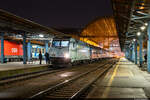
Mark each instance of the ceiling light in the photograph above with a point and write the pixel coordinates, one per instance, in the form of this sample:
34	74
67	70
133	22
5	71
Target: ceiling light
41	35
134	40
146	24
138	33
143	27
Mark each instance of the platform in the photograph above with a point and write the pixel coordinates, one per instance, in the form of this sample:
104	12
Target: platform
124	80
16	68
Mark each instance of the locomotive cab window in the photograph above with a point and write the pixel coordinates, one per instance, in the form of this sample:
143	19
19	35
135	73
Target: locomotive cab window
56	43
64	43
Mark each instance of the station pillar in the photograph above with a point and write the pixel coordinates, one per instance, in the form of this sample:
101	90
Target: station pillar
130	53
133	52
140	51
29	47
126	52
24	49
148	48
2	48
135	48
46	46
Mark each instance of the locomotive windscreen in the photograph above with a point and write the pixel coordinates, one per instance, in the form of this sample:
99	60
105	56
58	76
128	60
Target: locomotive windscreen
56	43
64	43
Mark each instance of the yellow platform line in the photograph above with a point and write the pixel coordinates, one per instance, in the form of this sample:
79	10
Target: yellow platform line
106	91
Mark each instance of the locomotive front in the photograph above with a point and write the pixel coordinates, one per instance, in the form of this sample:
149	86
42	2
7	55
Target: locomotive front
59	52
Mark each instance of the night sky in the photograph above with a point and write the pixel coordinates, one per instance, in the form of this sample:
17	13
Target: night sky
58	13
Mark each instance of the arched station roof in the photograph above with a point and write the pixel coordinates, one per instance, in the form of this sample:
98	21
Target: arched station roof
102	31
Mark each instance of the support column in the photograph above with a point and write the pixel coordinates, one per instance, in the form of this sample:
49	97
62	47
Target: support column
24	49
135	52
29	50
148	48
2	48
127	53
130	51
140	51
46	46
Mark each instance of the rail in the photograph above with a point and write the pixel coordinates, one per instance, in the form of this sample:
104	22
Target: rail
59	86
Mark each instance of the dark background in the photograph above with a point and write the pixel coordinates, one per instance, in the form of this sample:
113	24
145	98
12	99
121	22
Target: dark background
59	13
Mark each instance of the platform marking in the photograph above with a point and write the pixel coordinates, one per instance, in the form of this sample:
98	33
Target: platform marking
106	91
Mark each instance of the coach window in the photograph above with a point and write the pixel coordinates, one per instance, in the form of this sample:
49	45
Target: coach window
38	50
33	49
43	50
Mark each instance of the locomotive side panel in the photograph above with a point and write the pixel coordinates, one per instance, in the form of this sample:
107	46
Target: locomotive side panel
73	50
83	51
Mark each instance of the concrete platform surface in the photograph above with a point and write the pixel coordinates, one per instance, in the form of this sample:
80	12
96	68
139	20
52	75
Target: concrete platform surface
17	68
124	80
19	65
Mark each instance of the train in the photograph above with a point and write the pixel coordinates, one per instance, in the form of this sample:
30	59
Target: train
63	51
69	51
36	49
13	51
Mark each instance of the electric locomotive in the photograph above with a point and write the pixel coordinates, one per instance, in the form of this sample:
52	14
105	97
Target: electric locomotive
69	51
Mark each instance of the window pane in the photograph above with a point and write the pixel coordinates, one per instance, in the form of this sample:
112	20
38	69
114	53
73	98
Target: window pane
64	43
56	43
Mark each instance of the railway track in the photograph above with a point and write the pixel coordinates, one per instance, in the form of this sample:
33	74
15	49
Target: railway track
21	77
75	87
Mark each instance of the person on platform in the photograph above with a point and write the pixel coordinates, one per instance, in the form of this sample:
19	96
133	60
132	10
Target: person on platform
47	58
40	57
145	57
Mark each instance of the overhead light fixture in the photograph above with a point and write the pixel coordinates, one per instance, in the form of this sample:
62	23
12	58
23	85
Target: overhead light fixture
134	40
138	33
143	27
41	35
146	24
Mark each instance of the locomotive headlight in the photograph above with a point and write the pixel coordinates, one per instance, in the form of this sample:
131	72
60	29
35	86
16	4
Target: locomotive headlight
66	55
